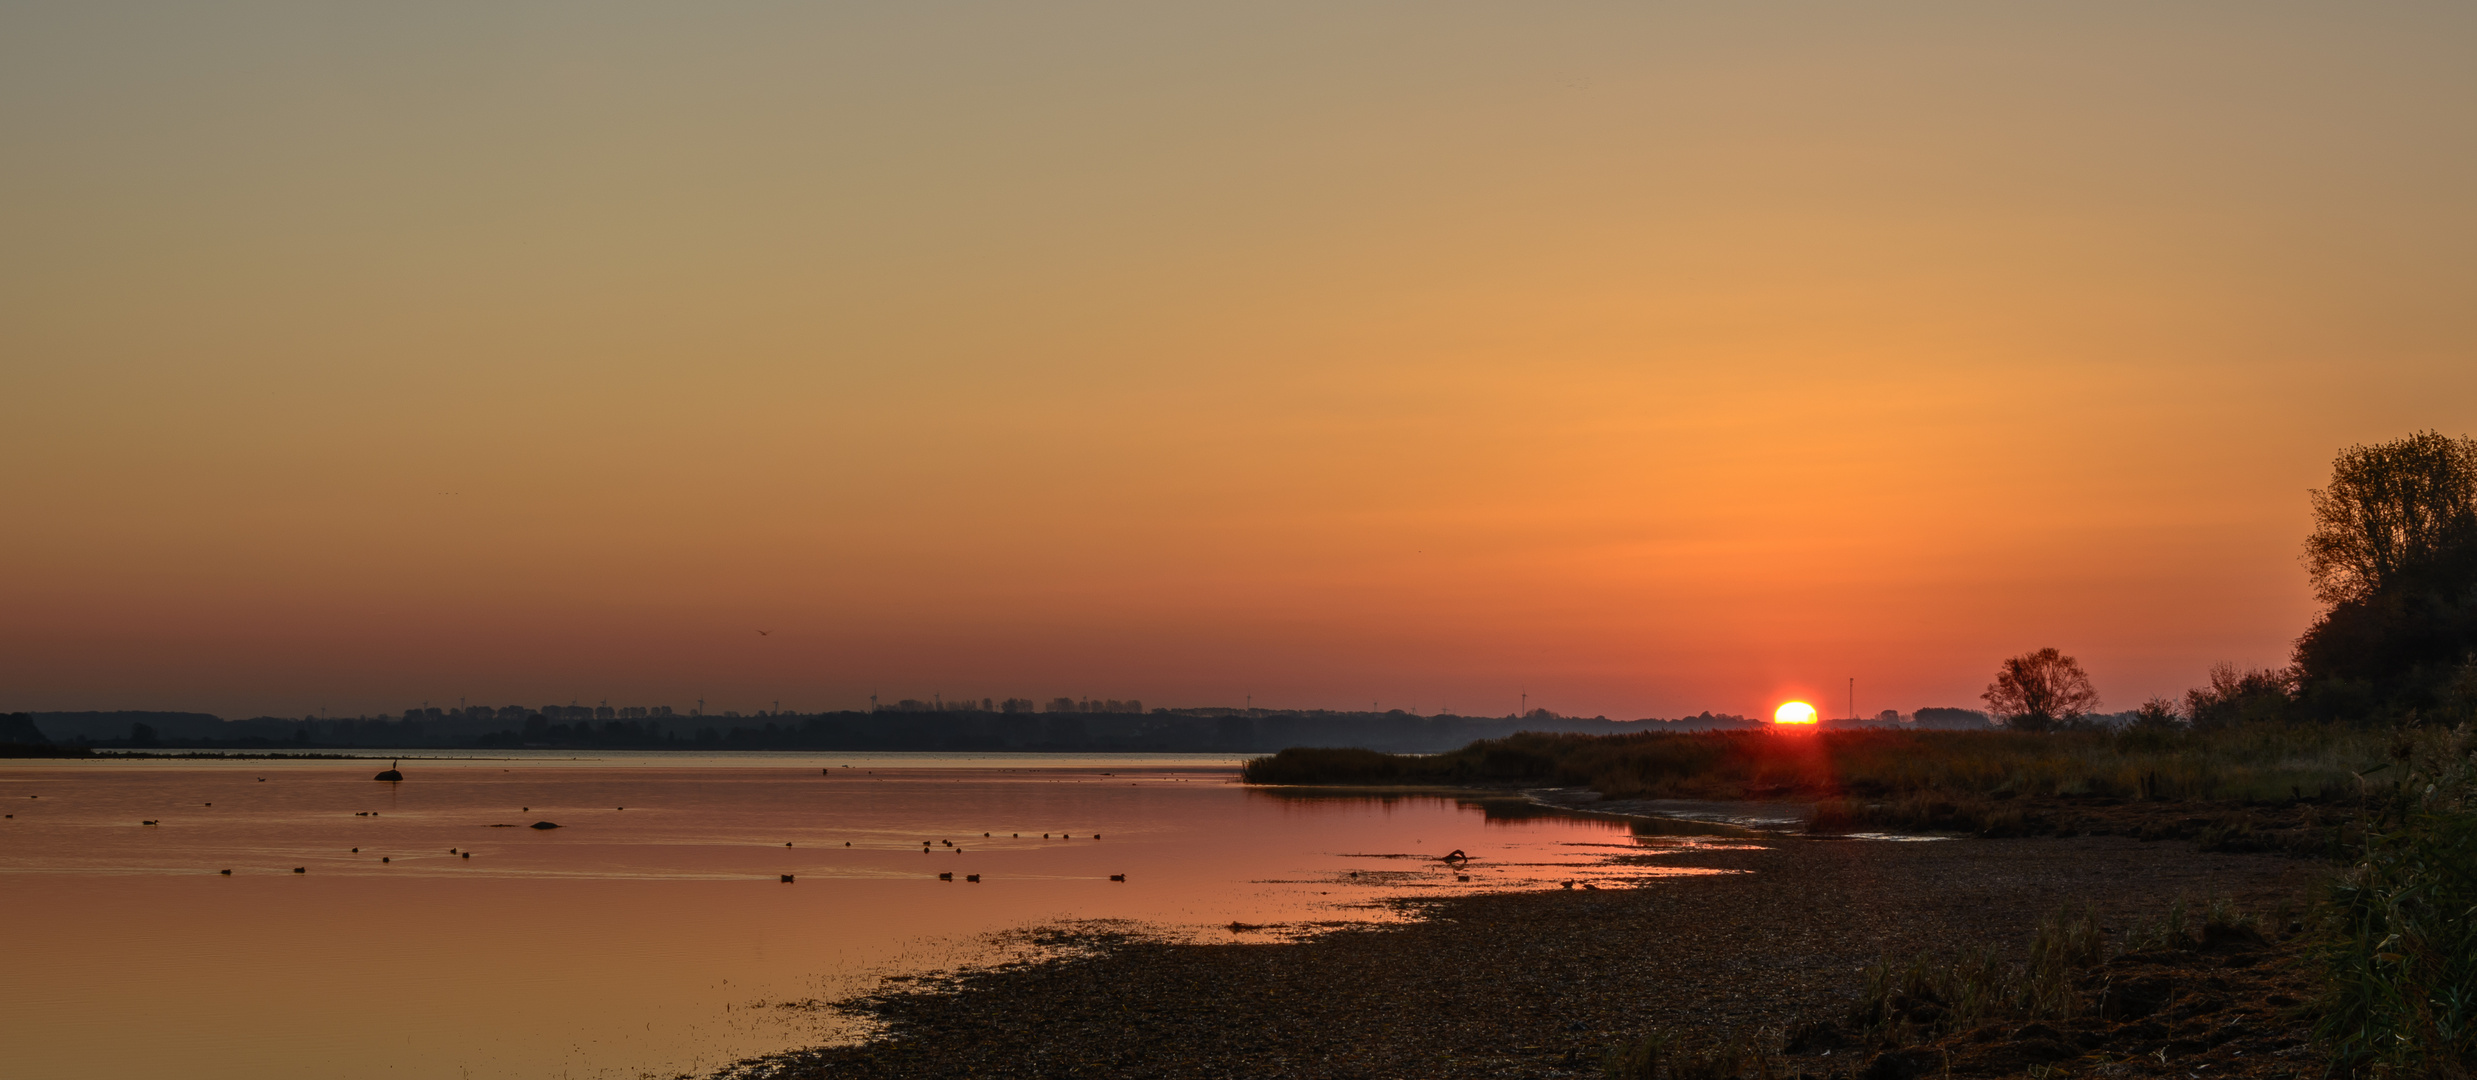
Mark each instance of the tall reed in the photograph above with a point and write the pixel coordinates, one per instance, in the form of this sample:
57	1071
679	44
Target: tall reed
2400	953
1883	769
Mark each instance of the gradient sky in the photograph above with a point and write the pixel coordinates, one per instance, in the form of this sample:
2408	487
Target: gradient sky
1643	358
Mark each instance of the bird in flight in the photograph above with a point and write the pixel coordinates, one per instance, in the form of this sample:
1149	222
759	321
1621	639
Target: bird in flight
762	633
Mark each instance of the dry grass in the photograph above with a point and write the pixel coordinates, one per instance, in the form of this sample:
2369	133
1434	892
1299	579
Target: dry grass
1910	777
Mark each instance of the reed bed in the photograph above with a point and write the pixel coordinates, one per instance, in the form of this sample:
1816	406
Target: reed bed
1910	770
2400	926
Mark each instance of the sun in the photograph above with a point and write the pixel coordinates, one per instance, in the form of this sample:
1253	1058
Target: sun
1794	712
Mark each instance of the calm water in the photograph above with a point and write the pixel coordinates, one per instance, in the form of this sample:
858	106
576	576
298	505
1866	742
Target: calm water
651	940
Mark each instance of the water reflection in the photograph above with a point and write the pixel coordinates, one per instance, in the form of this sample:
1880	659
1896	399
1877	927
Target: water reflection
1505	807
420	938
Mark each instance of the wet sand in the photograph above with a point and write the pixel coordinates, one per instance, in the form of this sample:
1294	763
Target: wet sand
1542	984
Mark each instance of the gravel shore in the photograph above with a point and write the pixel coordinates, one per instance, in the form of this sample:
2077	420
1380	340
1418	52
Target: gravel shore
1542	984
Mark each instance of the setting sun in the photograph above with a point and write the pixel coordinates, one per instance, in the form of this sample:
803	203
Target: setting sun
1795	712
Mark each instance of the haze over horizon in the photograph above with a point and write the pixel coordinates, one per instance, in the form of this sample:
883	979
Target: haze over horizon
1643	361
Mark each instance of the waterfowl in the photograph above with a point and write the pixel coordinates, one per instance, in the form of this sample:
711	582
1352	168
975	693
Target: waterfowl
1118	877
971	877
786	879
946	877
227	873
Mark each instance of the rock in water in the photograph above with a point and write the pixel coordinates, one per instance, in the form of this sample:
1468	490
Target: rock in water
544	825
391	774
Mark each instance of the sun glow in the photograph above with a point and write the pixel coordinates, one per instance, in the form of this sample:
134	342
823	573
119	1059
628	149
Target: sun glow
1794	712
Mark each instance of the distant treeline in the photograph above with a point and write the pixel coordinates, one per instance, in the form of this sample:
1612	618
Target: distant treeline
1065	725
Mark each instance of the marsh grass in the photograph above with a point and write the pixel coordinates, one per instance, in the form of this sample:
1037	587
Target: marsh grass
1922	779
1931	995
1661	1055
2400	926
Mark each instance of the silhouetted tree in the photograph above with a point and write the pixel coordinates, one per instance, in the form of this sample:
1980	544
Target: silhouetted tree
19	728
2235	697
2394	552
2394	511
2156	714
2038	691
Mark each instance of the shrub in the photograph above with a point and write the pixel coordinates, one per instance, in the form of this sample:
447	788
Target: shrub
2400	953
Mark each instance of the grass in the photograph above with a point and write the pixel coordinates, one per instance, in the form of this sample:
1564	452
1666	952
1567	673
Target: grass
2400	926
1930	996
1924	779
1662	1055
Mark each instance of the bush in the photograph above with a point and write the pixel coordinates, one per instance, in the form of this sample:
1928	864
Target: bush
2400	953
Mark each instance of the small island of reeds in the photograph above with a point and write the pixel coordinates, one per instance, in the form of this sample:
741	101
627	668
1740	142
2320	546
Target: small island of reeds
2245	788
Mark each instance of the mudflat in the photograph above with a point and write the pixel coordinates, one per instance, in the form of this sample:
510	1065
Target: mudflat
1544	984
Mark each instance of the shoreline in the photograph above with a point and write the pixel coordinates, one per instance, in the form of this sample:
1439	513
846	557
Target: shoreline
1542	984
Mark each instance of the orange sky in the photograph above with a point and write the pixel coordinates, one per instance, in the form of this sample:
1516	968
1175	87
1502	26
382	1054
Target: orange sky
1643	361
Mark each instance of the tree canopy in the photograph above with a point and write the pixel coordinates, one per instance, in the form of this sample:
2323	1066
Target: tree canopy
2393	512
2036	691
2394	554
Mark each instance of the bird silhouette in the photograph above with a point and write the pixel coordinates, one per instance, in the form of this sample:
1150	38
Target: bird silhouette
764	633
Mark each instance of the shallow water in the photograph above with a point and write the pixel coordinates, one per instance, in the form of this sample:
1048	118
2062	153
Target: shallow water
650	935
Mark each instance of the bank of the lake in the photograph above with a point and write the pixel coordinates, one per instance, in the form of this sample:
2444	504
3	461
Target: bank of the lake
1544	984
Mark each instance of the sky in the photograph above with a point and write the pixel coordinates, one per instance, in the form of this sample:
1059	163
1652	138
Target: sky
1624	359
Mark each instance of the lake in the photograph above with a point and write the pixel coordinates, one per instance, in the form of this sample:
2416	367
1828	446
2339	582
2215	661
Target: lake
652	934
